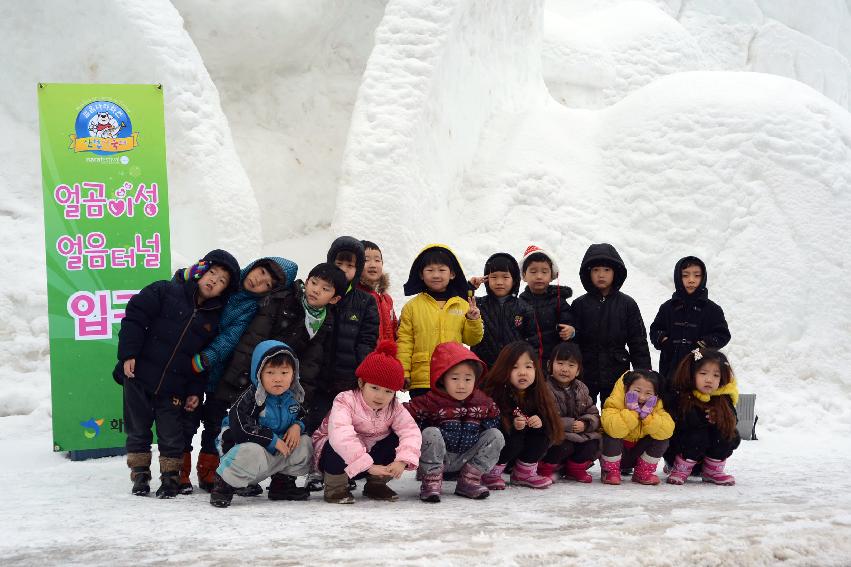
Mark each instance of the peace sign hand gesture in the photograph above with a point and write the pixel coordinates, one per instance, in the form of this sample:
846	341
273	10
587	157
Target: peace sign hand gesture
473	313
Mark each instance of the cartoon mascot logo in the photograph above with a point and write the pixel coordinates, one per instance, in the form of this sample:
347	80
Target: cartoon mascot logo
103	128
91	427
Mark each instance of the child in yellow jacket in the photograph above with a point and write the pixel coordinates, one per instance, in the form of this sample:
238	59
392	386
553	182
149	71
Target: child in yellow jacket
636	428
441	312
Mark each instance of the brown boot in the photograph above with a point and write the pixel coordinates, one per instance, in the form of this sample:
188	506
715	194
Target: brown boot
169	473
337	489
206	468
140	472
377	489
184	484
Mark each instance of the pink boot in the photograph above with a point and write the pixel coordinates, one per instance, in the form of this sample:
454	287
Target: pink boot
645	472
713	471
548	469
526	474
470	483
431	485
610	471
493	479
682	468
577	471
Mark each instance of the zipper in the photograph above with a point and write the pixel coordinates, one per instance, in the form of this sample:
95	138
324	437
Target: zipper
177	346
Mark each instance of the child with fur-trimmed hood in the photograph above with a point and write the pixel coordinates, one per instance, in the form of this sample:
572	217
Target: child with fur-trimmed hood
375	281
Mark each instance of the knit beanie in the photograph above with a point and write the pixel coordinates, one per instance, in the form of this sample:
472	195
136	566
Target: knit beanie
532	249
382	368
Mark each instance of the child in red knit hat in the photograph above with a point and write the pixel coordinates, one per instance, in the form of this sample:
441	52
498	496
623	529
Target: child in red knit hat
368	432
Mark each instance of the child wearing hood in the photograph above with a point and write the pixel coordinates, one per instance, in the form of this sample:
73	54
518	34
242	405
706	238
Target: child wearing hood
375	281
505	317
263	434
689	319
610	330
460	425
441	312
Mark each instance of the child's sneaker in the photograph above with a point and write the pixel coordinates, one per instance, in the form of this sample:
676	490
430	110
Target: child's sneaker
221	493
283	487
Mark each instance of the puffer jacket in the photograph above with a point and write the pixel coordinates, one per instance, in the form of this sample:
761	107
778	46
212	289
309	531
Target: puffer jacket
387	321
550	310
607	325
259	417
575	404
685	321
353	428
461	422
622	423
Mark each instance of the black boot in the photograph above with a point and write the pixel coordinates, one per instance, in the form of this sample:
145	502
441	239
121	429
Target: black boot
169	485
250	490
222	493
283	487
141	480
314	482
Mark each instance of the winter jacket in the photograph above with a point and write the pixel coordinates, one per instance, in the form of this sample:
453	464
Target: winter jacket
460	422
238	313
685	321
280	316
574	403
694	424
259	417
607	325
353	428
622	423
387	321
550	310
164	327
504	322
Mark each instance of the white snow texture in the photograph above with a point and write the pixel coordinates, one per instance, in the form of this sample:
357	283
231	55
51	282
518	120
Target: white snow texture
718	128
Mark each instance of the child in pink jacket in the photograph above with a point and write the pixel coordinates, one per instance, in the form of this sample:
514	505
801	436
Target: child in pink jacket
368	432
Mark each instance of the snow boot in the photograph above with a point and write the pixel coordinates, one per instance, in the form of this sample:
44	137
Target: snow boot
548	469
283	487
314	482
610	471
431	486
645	472
184	484
526	474
206	470
470	483
169	475
577	471
222	493
493	479
140	472
377	489
337	489
713	471
249	491
680	471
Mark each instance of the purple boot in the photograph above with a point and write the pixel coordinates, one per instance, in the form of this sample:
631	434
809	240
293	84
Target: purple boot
470	483
432	483
682	468
713	471
493	479
526	474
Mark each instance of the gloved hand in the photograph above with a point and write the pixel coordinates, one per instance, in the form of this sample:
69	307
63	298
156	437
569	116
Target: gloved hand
632	401
648	406
199	363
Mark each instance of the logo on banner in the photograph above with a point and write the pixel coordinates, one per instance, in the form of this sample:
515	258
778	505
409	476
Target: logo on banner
91	428
103	128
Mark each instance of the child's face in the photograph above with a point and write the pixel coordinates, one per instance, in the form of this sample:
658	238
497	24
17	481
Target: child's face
692	277
500	283
523	374
348	266
565	371
376	397
374	267
213	282
708	377
320	293
602	278
644	388
459	381
437	277
258	280
276	379
538	276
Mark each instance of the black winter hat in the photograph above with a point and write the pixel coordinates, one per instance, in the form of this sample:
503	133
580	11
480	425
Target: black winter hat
219	257
348	244
602	254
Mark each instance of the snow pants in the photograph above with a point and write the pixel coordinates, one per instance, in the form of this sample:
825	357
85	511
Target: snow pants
630	452
572	451
527	445
141	410
250	463
483	455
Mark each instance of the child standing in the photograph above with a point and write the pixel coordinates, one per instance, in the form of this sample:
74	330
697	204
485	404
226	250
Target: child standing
704	407
689	319
636	428
263	434
441	312
505	317
530	420
579	417
164	325
608	321
368	432
460	425
375	281
554	318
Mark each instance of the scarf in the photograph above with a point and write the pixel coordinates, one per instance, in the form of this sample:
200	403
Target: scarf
313	317
729	389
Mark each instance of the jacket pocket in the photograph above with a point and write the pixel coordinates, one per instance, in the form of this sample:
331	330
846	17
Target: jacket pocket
419	357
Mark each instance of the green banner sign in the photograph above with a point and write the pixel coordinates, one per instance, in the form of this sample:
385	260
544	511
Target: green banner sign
106	233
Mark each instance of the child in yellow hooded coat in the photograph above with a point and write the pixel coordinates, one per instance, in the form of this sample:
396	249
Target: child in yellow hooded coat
636	428
442	311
